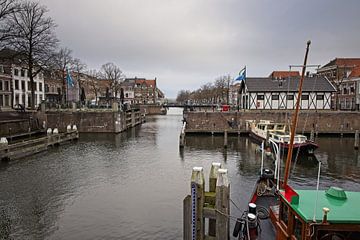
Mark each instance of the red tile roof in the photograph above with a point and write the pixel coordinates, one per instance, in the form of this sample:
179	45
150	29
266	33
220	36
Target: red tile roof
344	62
148	83
355	72
284	74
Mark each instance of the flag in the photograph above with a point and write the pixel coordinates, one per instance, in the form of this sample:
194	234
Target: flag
69	79
242	75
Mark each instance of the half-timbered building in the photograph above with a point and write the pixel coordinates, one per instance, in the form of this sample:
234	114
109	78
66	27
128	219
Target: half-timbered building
274	93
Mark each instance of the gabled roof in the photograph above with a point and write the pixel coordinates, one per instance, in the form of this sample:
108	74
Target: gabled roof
148	83
350	62
284	74
355	72
311	84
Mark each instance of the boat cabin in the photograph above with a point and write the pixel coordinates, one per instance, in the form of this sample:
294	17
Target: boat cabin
322	215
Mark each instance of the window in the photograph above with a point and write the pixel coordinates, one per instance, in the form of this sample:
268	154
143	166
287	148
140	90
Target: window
126	95
16	72
23	98
290	97
284	211
23	85
22	72
17	97
260	97
297	228
40	86
319	97
304	97
1	85
7	86
275	97
7	100
1	69
16	84
46	88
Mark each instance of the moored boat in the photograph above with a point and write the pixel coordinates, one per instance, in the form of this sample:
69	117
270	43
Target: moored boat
280	134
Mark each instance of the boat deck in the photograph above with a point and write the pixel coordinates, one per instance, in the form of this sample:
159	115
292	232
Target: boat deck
267	228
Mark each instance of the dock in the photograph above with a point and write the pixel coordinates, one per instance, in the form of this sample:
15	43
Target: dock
32	146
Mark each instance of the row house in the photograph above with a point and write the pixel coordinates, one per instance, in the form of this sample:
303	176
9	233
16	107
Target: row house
15	87
282	93
338	72
141	91
349	91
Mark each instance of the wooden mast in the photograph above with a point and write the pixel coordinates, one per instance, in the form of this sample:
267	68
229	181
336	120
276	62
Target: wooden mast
295	118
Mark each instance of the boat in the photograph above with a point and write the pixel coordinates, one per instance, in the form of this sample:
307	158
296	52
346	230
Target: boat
279	132
278	211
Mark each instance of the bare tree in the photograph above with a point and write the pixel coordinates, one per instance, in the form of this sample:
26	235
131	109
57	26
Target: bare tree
63	60
112	72
33	38
7	8
79	67
93	82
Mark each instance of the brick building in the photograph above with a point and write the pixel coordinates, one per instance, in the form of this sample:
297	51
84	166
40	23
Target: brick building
338	71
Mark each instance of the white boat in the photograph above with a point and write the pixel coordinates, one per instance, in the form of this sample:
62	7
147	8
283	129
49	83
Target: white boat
279	133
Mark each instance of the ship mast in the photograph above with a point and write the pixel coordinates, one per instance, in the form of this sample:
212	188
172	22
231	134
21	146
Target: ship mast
295	118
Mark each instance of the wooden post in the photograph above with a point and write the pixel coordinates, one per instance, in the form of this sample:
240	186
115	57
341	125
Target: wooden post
356	143
222	205
212	188
182	136
197	203
312	135
267	138
187	218
225	138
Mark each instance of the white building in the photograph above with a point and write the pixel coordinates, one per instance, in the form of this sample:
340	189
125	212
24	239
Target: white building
22	88
270	93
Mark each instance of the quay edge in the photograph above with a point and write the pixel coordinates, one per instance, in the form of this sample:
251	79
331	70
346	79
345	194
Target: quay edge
321	122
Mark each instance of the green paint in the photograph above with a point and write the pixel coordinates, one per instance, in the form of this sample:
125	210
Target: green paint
341	210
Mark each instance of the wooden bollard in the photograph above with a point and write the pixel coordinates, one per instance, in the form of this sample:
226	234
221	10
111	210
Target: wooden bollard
197	203
182	140
212	188
312	135
222	205
356	143
225	138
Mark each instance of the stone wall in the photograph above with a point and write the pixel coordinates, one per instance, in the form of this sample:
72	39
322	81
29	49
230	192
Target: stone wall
152	110
94	121
319	121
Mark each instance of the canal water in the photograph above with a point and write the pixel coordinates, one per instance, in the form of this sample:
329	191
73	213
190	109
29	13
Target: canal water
131	185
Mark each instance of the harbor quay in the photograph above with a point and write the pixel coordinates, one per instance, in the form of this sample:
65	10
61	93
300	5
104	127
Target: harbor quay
236	122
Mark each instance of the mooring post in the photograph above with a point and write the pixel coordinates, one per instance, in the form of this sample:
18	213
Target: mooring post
312	135
212	189
222	205
267	138
356	143
197	203
182	136
225	138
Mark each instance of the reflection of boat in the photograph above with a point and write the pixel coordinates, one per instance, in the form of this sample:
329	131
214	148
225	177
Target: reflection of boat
278	211
280	133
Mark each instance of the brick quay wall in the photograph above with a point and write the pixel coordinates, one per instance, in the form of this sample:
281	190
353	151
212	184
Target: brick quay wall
321	122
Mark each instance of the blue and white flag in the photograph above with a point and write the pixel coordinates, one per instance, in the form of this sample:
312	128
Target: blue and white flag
242	75
69	79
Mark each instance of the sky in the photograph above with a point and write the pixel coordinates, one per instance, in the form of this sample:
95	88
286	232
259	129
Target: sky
188	43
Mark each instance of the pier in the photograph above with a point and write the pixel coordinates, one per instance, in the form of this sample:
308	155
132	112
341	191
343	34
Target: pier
31	146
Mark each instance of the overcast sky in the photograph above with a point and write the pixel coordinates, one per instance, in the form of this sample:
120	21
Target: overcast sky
187	43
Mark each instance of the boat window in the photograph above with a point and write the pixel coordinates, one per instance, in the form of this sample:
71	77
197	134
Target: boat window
297	228
284	212
270	127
